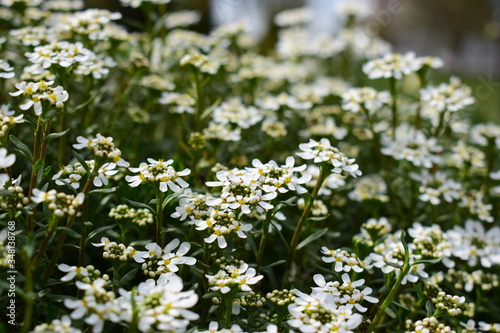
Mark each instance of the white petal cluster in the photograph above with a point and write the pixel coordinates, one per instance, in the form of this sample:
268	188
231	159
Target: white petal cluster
235	112
475	245
6	160
91	23
318	312
60	203
161	305
102	147
452	97
369	187
72	174
233	277
6	70
395	65
412	145
62	325
98	305
156	261
366	98
322	151
138	3
436	187
161	173
342	260
293	17
38	92
390	253
346	293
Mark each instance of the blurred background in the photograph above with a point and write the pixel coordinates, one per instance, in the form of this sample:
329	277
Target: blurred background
464	33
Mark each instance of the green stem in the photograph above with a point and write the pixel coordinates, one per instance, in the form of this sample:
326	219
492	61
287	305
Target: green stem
199	100
69	223
28	300
81	250
394	290
159	216
394	105
263	239
30	220
50	231
324	172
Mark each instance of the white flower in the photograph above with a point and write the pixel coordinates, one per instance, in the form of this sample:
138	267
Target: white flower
160	172
321	151
393	65
72	271
6	160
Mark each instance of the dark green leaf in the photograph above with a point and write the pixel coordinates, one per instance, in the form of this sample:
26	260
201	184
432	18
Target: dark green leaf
393	264
140	205
276	263
430	308
52	136
127	278
312	238
400	305
317	218
70	232
169	199
22	147
427	261
104	190
390	312
97	231
80	159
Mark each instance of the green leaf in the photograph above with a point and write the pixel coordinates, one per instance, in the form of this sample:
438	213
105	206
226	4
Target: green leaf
312	238
427	261
390	312
52	136
80	159
104	190
276	263
140	205
400	305
70	232
430	308
317	218
97	231
127	278
393	264
21	147
78	107
169	199
405	245
39	175
49	115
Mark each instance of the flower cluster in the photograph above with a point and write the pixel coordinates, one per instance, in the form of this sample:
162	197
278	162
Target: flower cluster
322	151
159	172
60	203
124	213
238	276
318	312
39	93
102	147
72	174
395	65
159	304
342	260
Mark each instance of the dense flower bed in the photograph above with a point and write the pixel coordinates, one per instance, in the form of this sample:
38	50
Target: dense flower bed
166	180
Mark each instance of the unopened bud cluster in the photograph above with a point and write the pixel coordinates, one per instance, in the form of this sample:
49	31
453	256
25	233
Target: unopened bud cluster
281	297
60	203
448	303
427	325
124	213
14	199
252	300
